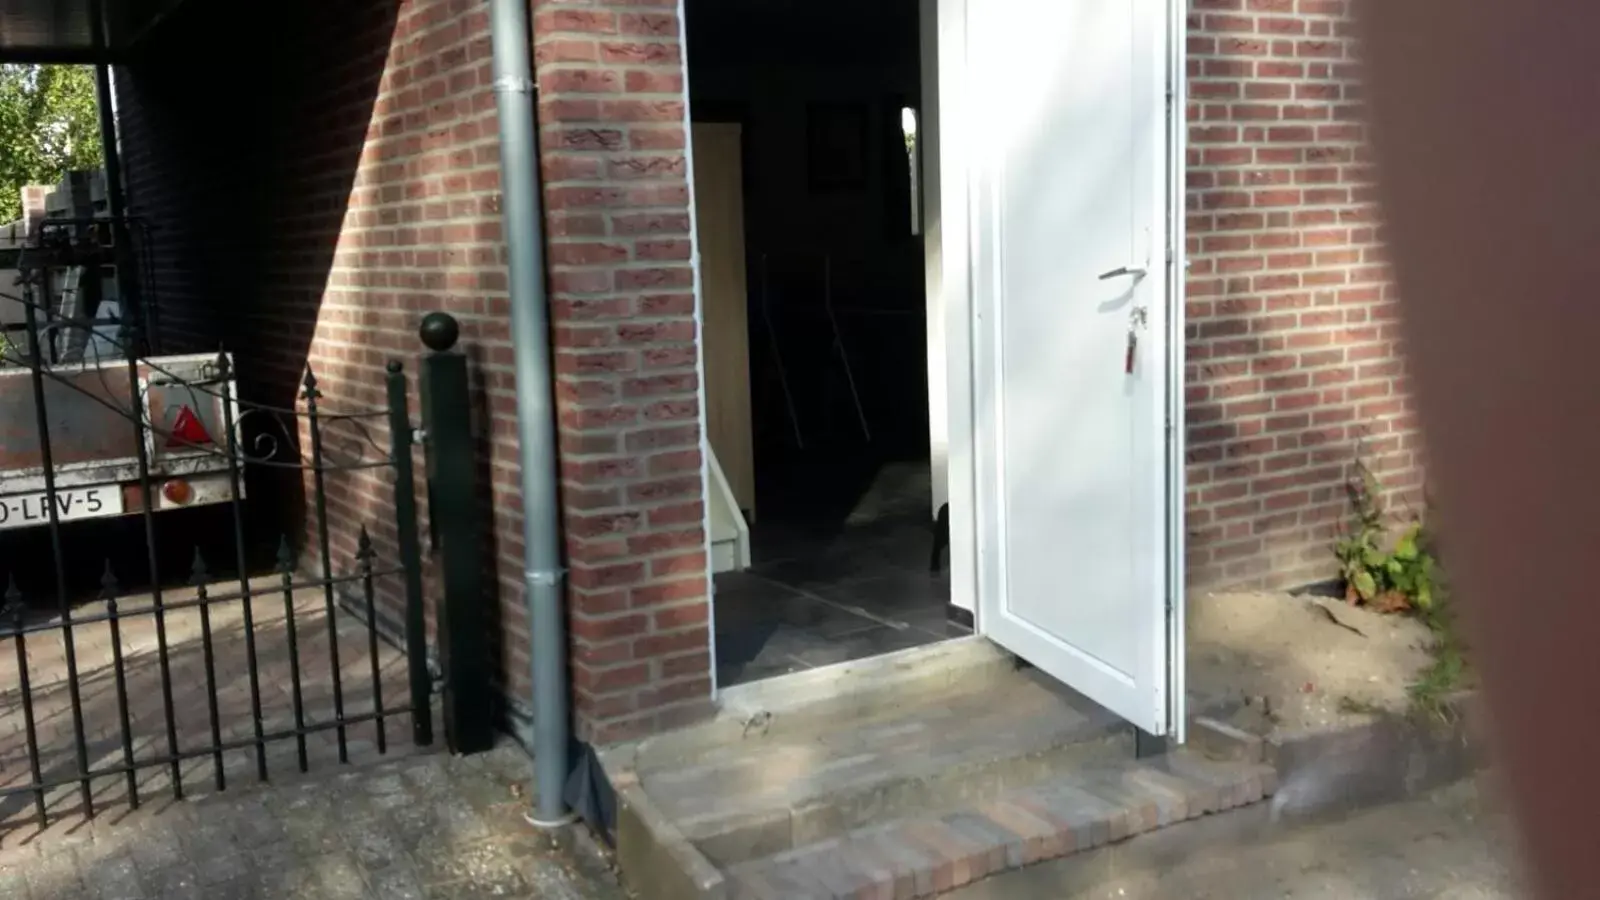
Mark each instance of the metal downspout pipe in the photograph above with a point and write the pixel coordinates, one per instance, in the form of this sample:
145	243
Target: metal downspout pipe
543	576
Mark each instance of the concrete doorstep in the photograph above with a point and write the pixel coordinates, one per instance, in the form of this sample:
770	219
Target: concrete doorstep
910	787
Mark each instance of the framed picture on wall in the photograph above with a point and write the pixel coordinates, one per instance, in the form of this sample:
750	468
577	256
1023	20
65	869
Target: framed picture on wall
836	146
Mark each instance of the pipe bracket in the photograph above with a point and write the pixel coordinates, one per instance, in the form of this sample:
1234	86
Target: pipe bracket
513	84
545	578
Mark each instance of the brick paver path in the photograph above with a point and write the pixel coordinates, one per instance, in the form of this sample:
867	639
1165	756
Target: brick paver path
434	827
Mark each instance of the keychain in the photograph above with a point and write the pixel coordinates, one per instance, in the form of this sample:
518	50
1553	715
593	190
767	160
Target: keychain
1136	321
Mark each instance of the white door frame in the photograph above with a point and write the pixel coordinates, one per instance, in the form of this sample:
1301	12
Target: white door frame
950	250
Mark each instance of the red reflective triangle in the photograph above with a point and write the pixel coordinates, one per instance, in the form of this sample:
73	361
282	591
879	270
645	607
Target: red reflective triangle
188	430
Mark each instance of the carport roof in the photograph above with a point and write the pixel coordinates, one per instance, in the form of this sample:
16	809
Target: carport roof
63	30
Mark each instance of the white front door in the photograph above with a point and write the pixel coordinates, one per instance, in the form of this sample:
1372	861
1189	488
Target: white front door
1076	407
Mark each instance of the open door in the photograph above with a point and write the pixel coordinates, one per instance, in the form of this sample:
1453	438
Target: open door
1073	114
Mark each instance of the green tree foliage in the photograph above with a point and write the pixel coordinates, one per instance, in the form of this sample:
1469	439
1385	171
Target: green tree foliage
49	125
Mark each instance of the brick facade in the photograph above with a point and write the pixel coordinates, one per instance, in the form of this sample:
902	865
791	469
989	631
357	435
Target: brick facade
360	190
613	117
355	190
1294	359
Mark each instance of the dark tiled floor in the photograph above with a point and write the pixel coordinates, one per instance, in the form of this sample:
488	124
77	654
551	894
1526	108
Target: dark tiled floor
817	597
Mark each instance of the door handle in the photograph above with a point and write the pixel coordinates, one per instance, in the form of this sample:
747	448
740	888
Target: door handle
1135	271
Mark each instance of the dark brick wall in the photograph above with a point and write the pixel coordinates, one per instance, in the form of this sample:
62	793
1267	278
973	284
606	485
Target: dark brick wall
351	188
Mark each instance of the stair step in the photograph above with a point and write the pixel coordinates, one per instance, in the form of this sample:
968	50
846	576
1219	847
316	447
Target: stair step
725	554
759	795
1075	812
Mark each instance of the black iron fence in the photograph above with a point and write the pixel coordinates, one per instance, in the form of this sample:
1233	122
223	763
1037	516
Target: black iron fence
237	669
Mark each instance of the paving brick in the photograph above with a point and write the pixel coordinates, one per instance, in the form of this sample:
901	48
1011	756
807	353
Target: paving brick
912	864
1066	827
1093	817
954	866
794	878
1003	850
1135	810
1171	794
1038	836
921	856
872	874
835	869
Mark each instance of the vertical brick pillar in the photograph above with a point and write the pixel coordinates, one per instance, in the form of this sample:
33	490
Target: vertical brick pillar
612	116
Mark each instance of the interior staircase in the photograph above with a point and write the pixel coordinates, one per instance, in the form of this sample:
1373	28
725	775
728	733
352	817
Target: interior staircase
908	775
730	533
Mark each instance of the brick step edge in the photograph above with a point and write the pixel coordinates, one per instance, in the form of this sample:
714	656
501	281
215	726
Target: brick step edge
929	855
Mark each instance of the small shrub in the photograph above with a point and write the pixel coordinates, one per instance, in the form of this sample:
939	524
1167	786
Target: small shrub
1388	577
1403	577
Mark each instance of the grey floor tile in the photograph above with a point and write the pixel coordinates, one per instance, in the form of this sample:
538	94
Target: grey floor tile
873	642
834	597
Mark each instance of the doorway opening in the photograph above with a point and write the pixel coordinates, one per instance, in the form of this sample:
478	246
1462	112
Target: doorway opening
807	125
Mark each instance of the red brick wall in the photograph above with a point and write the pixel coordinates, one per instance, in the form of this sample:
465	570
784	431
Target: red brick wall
1294	358
622	288
358	190
353	191
363	192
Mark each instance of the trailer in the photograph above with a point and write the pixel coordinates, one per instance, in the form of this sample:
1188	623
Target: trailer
93	424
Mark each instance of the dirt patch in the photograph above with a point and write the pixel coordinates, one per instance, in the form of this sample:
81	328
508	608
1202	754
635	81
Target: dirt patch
1274	662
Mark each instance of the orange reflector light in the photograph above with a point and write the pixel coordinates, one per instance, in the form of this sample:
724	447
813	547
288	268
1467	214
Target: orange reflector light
178	491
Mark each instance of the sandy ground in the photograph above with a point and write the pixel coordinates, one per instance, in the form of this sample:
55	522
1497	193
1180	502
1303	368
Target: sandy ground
1450	844
1277	662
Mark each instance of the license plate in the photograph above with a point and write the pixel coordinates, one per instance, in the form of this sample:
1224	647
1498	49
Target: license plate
28	510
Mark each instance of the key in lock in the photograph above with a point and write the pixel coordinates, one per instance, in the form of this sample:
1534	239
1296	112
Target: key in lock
1138	317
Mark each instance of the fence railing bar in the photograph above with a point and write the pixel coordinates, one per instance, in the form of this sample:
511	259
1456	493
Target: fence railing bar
364	555
286	568
14	608
69	650
147	494
246	598
108	589
198	578
320	507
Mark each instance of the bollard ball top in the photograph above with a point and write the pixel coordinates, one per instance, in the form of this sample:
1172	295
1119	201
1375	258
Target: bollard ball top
439	331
